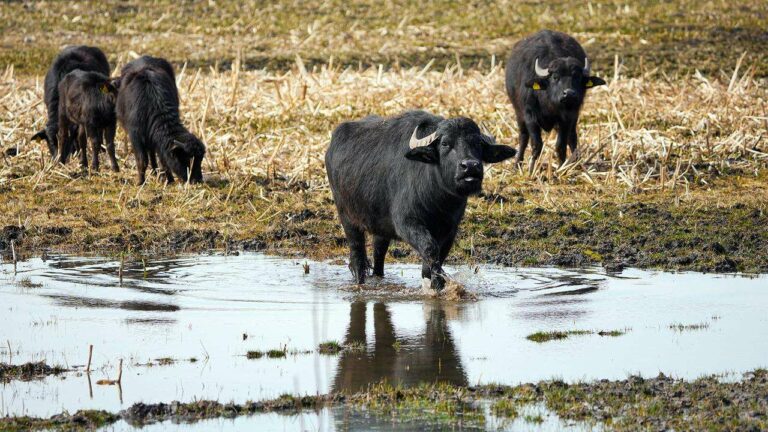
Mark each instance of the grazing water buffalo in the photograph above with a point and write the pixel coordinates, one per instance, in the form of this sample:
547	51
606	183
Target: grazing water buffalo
547	76
87	106
81	57
148	109
406	178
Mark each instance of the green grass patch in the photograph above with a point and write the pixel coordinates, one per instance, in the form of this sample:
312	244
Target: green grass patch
542	336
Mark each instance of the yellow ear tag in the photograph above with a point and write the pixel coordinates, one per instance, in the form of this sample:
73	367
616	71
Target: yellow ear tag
536	86
590	83
104	89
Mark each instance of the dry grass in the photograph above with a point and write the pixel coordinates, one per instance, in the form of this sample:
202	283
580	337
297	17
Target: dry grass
639	133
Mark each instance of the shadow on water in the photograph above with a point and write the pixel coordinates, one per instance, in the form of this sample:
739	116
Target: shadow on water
429	356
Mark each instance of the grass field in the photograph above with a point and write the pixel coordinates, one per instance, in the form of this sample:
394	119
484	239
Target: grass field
674	149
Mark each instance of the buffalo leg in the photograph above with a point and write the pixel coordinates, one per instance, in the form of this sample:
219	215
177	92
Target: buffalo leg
82	145
573	142
109	137
62	136
445	246
141	157
561	146
95	137
524	136
153	161
536	143
380	246
358	260
425	244
52	137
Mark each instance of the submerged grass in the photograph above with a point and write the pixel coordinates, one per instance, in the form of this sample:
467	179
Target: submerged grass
330	348
542	336
680	327
273	353
28	371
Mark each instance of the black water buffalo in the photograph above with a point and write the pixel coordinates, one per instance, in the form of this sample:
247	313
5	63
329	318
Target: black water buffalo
148	109
81	57
547	76
87	106
394	185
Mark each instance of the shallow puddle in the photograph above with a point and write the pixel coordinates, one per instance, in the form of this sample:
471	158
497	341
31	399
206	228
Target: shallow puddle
207	312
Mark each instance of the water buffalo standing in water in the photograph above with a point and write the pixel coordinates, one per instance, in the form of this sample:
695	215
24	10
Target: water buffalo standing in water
547	76
148	109
87	106
81	57
406	178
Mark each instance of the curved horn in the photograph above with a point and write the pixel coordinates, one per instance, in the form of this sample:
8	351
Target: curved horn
540	71
423	142
586	65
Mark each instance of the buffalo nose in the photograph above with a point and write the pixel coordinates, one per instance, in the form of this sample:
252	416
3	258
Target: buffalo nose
469	165
569	94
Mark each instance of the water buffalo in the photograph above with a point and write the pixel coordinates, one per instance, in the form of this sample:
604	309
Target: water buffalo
87	106
81	57
406	178
148	109
547	76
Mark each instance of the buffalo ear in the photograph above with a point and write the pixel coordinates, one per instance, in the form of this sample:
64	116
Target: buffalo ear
537	83
594	81
426	154
40	136
493	153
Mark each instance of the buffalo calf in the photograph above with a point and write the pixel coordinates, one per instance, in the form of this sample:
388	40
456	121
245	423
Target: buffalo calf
406	178
547	76
87	107
80	57
148	109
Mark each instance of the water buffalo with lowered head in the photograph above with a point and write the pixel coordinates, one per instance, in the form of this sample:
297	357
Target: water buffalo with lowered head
547	76
81	57
148	110
87	107
406	178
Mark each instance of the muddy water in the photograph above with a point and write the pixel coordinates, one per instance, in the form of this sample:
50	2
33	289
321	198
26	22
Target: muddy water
215	309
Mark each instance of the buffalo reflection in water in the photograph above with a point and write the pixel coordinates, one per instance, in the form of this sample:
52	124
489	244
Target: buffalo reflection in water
428	357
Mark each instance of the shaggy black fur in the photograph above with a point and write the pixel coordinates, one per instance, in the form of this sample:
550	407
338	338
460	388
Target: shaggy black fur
81	57
148	109
87	105
382	187
552	102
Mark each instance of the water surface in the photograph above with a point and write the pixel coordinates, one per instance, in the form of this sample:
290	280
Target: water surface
214	309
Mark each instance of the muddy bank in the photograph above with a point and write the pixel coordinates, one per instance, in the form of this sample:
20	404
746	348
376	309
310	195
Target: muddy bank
659	403
28	371
723	228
